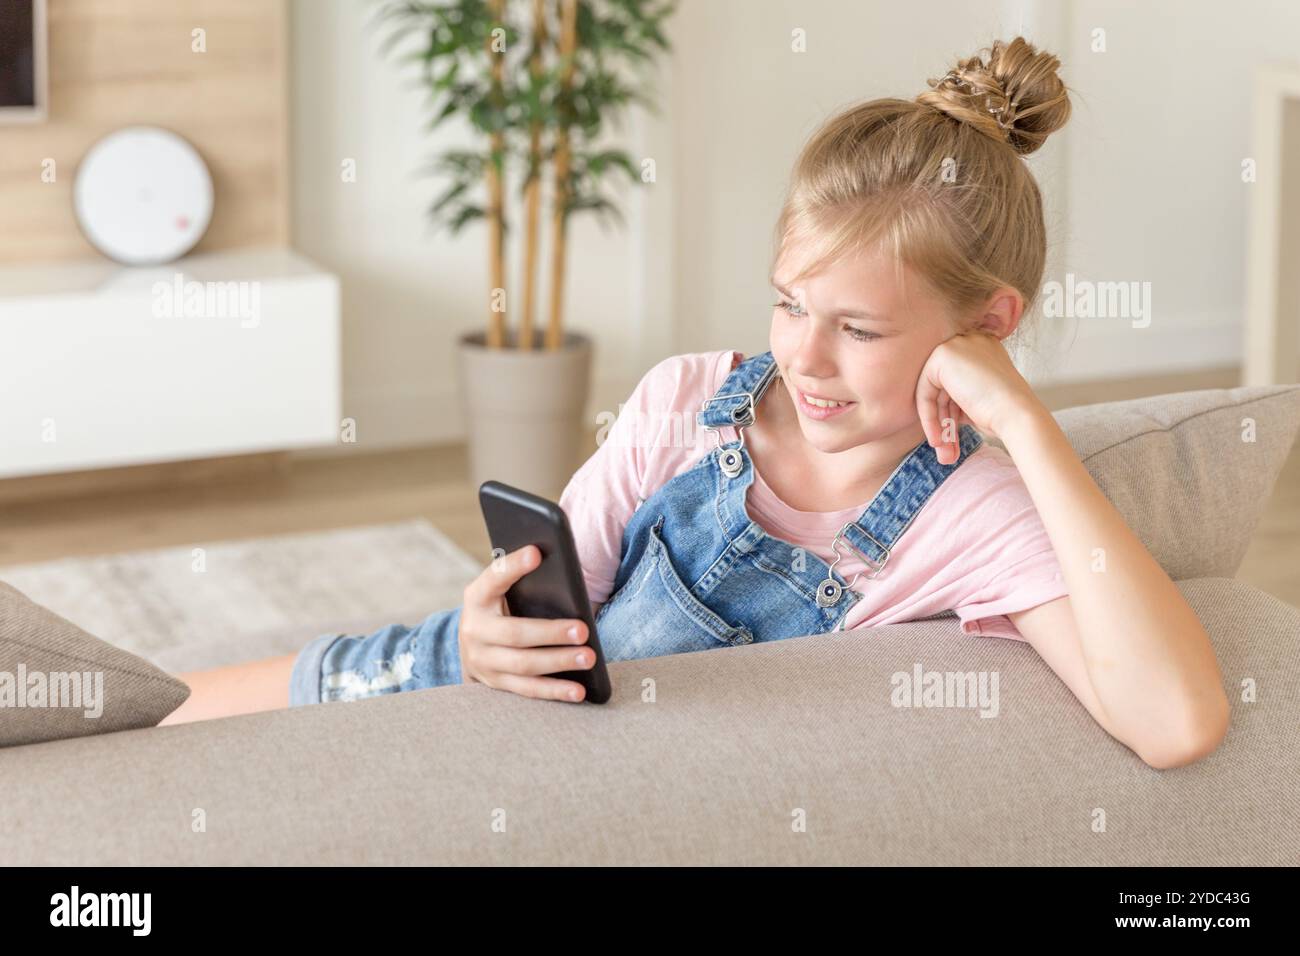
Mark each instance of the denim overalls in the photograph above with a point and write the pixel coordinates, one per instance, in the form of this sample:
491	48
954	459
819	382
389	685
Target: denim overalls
696	572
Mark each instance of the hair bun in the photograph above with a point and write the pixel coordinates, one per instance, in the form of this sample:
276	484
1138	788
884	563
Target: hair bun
1009	91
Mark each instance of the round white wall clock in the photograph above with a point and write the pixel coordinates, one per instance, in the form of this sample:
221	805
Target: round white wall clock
143	196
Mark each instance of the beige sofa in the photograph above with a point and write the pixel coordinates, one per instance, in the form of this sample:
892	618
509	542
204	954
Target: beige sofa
791	752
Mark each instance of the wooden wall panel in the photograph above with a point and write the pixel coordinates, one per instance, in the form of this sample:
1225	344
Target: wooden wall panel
115	63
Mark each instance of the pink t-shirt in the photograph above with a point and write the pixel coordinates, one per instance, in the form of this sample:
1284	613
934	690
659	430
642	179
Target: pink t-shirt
977	546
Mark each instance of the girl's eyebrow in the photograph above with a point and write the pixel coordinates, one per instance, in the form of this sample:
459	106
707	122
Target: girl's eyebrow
841	313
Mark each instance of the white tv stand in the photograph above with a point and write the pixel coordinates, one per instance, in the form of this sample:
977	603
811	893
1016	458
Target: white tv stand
101	366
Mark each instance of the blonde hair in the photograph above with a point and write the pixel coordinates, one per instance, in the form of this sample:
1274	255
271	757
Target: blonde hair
938	181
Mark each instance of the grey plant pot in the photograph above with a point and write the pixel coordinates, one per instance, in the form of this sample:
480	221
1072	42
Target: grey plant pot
524	411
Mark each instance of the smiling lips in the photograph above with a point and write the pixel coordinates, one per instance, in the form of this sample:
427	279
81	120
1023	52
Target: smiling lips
820	409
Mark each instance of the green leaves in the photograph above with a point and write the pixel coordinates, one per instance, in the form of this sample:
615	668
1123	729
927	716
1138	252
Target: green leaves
450	44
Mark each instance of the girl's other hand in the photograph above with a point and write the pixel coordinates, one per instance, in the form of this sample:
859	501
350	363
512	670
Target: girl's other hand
970	378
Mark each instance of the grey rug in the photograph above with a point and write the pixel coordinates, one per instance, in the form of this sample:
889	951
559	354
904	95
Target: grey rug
233	601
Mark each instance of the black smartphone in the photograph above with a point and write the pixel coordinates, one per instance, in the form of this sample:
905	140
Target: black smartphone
553	589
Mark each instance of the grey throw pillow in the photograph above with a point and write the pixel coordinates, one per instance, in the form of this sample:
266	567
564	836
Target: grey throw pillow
58	681
1190	472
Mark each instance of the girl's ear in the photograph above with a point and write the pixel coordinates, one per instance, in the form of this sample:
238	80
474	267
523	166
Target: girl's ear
1002	312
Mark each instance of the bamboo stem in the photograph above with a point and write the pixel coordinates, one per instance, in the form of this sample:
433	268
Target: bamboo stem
534	187
496	206
568	43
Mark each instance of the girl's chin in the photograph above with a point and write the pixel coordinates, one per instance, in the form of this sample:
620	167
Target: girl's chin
830	441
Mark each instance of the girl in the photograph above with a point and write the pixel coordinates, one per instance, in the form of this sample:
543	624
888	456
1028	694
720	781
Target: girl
841	479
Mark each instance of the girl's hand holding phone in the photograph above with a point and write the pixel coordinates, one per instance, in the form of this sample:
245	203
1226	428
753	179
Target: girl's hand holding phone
510	653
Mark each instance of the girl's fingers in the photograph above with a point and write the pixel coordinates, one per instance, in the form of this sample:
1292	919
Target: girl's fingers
958	419
950	416
545	688
494	580
941	418
530	631
499	659
948	428
927	396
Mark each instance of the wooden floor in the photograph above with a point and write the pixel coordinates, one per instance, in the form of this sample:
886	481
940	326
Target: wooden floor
433	483
310	495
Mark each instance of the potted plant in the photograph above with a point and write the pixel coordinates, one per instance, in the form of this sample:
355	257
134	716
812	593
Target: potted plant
536	79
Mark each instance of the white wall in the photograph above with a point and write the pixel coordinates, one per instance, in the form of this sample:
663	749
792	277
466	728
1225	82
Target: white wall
1155	190
1144	184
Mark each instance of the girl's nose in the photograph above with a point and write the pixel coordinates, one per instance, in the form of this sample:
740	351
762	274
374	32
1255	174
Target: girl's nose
813	357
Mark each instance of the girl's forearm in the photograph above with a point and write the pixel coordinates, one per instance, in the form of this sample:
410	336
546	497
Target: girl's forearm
1149	659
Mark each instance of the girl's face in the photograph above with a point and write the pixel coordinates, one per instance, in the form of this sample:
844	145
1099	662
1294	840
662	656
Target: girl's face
852	334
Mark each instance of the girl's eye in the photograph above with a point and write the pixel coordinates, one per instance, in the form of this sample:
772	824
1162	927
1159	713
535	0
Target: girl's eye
862	335
855	333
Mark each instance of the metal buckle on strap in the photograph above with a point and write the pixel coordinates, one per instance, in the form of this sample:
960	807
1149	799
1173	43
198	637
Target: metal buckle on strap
829	591
742	416
876	567
717	436
747	408
729	459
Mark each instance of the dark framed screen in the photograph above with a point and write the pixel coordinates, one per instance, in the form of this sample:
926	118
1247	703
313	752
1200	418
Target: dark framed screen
17	53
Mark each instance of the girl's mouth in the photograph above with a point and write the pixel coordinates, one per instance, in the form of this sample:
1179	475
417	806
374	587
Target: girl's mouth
820	412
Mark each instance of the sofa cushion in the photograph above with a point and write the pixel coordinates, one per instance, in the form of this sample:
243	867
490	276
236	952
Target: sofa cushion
1190	472
776	753
58	681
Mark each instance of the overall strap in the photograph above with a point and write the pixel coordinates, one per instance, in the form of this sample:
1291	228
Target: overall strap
733	404
895	506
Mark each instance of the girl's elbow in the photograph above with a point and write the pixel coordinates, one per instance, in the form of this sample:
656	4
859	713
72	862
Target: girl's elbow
1206	732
